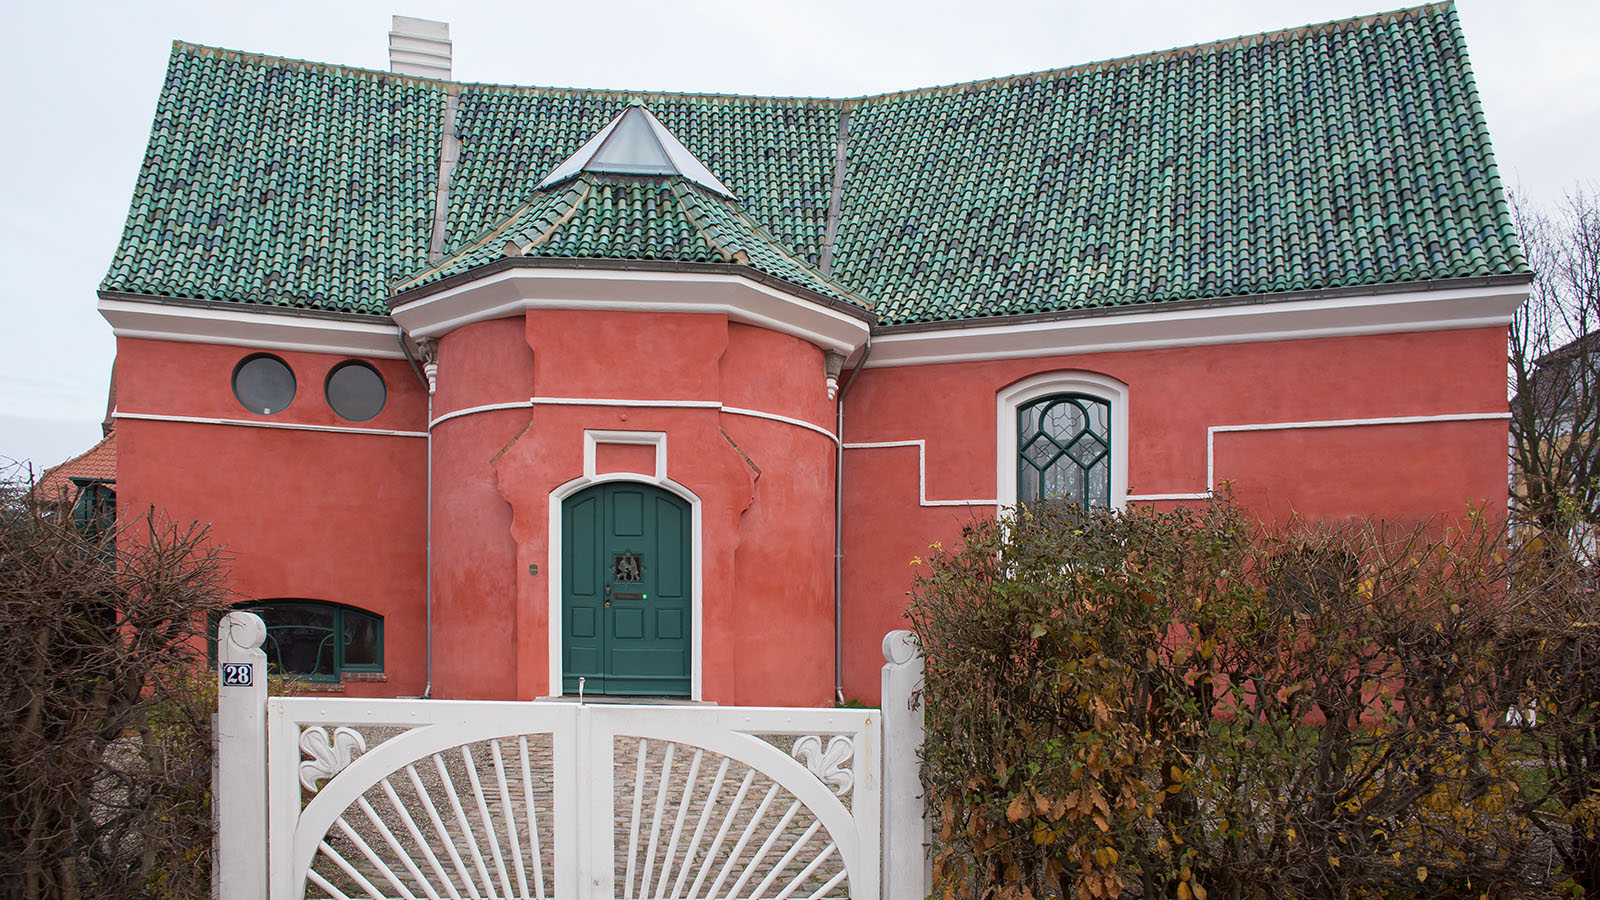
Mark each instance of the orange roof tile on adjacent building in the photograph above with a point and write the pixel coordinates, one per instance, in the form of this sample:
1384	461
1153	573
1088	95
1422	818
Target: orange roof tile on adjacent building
98	462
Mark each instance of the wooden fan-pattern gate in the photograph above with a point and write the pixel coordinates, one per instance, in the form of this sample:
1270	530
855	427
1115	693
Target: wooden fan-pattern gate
469	800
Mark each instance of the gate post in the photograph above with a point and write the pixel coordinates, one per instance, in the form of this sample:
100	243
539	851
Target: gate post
239	794
906	834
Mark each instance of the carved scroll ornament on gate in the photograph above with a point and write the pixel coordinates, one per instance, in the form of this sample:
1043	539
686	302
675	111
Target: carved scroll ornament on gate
830	765
328	757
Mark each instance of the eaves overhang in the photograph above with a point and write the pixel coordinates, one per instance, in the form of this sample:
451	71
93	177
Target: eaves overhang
511	285
1489	301
187	320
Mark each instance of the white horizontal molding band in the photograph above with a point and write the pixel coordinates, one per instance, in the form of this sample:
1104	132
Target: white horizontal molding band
922	471
473	410
645	404
283	330
1214	430
1211	434
253	423
512	291
612	401
1342	316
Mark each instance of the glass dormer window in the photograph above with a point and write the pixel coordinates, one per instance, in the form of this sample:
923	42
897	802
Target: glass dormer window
636	143
632	148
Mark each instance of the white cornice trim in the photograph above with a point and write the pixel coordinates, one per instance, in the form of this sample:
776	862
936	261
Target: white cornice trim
248	328
511	291
254	423
1285	320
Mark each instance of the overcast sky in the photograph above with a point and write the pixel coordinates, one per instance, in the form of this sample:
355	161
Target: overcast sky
81	81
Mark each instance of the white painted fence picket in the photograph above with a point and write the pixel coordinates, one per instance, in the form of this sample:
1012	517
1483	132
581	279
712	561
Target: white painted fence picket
451	800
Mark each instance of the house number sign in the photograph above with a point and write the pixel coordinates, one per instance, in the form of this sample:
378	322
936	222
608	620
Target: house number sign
236	675
627	568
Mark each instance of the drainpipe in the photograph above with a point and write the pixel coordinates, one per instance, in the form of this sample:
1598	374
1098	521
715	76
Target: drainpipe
429	374
838	530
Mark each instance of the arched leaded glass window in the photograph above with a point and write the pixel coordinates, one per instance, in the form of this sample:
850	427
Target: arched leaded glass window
1064	450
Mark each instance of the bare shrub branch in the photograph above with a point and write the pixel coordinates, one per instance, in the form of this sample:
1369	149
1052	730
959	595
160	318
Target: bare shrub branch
1554	356
105	704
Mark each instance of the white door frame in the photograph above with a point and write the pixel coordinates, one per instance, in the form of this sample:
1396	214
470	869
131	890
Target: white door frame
590	478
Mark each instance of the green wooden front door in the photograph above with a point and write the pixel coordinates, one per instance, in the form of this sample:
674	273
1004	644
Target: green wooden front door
625	579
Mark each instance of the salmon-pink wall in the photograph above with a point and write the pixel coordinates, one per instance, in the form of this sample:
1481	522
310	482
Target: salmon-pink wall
763	488
1174	395
304	514
342	517
475	558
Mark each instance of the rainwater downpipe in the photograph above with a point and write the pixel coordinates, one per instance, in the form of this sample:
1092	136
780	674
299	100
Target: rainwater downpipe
838	529
431	379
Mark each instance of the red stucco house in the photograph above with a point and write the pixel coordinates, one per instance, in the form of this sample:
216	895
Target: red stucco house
492	389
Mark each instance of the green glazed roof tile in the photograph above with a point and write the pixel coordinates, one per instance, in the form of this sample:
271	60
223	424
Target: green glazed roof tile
1340	155
599	217
776	155
1348	154
281	183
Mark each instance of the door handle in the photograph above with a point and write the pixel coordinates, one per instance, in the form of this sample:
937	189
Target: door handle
608	595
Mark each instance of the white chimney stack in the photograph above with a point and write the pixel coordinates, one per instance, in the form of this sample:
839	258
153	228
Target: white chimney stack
419	47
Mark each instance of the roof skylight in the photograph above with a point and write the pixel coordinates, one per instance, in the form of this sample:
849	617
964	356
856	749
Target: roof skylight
636	143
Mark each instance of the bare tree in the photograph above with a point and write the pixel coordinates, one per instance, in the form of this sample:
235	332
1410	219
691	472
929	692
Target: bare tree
1554	355
105	739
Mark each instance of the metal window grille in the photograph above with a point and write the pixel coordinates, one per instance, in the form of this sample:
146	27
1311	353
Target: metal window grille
1064	450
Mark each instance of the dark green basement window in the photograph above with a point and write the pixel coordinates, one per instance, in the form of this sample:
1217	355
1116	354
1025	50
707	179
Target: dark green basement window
319	641
1064	450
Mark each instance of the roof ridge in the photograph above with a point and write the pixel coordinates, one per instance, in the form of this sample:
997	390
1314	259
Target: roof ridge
776	245
572	202
631	95
624	94
483	238
1366	20
700	226
179	46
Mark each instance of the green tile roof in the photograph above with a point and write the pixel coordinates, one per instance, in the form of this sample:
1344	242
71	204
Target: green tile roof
1347	154
777	155
1331	156
630	218
281	183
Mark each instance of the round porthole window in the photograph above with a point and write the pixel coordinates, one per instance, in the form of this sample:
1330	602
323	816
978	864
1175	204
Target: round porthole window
264	384
356	391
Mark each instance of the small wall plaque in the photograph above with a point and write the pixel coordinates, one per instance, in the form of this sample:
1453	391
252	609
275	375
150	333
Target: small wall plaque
236	675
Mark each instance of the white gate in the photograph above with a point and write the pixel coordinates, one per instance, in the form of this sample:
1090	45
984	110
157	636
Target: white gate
451	800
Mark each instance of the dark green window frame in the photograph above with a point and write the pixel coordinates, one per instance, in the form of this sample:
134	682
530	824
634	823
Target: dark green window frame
1064	450
94	513
342	620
